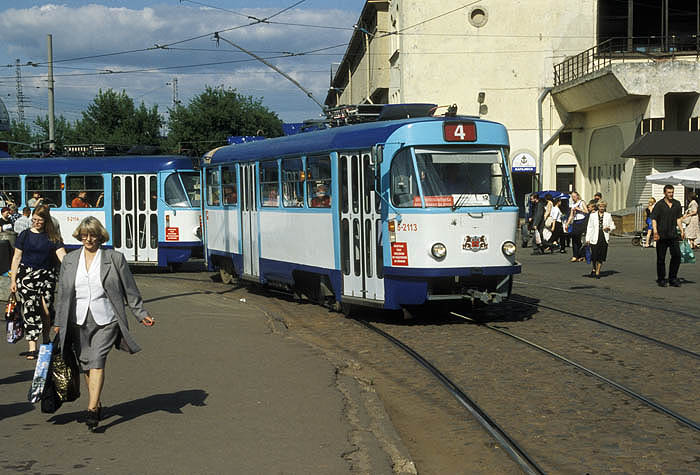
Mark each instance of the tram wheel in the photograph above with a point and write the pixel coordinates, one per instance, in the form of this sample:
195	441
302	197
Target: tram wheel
226	276
346	309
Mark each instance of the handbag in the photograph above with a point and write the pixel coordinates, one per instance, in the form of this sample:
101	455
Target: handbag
50	399
65	374
14	330
687	254
40	372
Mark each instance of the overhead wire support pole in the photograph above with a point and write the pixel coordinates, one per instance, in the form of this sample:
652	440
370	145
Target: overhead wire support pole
218	37
52	129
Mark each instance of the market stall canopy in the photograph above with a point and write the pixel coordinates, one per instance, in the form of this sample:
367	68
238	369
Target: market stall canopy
686	177
666	143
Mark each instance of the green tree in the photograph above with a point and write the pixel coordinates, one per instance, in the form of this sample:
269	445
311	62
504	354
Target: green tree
64	132
19	132
112	118
216	114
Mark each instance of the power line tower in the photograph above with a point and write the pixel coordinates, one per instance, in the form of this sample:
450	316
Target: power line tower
173	83
21	100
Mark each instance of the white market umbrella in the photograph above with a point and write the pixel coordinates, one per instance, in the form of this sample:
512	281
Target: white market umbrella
689	177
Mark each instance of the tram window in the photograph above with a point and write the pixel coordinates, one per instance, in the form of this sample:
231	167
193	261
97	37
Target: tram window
368	183
355	172
142	193
193	187
128	194
368	247
154	231
269	183
293	183
318	182
174	192
142	231
153	188
380	249
129	231
117	231
117	193
357	260
43	190
345	246
85	191
404	190
228	185
10	191
213	187
344	182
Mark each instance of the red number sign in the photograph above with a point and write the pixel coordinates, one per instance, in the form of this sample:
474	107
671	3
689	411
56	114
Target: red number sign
399	254
459	131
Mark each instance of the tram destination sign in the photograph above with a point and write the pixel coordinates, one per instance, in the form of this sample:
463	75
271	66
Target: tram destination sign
459	131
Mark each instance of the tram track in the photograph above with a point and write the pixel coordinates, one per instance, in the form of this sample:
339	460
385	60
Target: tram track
656	341
519	456
614	299
649	402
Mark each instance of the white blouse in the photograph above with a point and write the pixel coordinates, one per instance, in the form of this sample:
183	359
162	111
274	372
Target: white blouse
89	293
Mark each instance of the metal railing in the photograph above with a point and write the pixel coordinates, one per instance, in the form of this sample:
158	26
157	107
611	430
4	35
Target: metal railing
621	49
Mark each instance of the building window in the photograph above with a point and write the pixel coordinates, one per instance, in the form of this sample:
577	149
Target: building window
566	178
565	138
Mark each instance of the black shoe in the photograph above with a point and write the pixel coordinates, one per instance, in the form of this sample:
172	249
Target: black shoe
662	282
592	273
675	283
92	418
597	276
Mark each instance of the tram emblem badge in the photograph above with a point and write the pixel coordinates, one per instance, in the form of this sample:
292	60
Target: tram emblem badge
474	243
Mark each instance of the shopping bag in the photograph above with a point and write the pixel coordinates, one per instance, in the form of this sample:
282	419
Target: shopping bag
65	374
50	399
40	372
587	251
14	330
687	254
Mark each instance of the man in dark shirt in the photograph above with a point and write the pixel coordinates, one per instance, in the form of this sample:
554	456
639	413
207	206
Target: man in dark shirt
665	217
537	222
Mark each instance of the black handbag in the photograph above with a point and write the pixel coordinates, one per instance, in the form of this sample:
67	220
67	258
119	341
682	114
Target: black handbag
50	401
65	374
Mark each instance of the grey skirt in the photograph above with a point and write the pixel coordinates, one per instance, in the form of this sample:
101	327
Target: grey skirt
92	342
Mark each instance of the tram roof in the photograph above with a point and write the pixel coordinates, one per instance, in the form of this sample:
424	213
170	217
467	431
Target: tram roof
349	137
130	163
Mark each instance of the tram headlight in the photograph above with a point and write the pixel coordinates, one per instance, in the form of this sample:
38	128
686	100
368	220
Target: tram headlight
509	248
439	251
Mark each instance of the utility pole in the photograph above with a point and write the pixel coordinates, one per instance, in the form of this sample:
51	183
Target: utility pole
20	94
52	125
176	100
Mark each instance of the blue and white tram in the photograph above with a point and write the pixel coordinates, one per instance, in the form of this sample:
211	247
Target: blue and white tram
149	204
391	214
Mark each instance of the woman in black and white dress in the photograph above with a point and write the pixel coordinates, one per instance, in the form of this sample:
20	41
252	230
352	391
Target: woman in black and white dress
600	225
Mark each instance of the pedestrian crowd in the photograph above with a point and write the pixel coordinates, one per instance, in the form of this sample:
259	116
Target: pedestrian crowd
557	223
90	285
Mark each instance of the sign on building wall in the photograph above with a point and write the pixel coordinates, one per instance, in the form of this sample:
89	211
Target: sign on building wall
524	162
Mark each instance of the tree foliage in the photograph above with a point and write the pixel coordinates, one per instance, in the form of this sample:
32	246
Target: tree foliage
216	114
64	132
19	132
112	118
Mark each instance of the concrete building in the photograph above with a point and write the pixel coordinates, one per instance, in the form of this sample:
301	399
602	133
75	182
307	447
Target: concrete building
577	83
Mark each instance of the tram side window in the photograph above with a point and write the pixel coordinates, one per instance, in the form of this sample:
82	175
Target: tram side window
213	187
404	189
10	191
85	191
292	183
43	190
228	185
174	193
193	187
318	182
269	184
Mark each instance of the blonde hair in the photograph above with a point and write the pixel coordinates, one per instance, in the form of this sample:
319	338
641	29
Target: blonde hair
91	225
652	200
602	203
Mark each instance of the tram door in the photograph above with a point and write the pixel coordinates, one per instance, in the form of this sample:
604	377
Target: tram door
135	217
360	229
249	221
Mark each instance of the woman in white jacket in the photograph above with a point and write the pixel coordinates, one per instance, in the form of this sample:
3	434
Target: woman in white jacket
600	225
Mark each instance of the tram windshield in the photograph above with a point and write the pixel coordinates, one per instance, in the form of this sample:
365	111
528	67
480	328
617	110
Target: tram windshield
177	196
449	178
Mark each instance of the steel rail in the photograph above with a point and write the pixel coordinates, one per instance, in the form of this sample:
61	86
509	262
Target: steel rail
660	408
610	325
603	297
526	463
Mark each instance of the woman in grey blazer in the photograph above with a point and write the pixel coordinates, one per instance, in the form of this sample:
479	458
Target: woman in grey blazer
92	287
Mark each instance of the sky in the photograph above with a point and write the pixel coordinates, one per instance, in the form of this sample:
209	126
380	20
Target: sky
158	38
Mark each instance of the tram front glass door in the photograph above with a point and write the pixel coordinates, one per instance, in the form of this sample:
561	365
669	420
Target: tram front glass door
249	221
361	252
135	217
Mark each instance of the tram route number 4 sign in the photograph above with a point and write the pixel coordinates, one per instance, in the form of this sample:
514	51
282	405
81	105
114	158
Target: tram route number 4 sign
399	254
172	234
